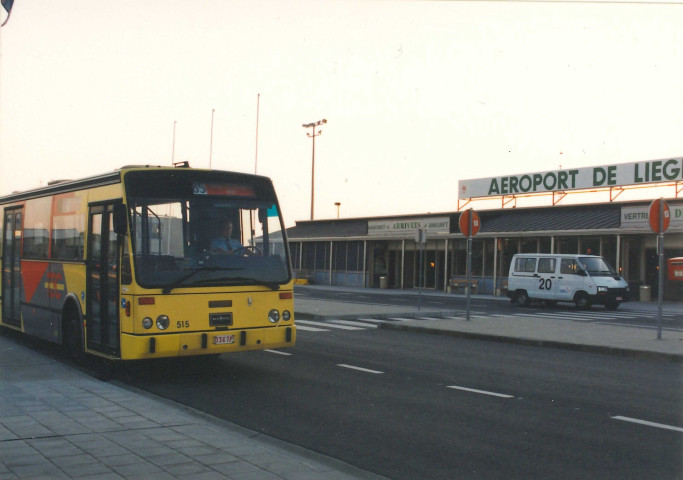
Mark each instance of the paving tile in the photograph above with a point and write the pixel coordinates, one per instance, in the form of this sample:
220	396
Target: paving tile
40	470
152	476
83	469
26	459
69	460
102	476
216	458
260	475
198	450
168	459
117	460
137	469
183	470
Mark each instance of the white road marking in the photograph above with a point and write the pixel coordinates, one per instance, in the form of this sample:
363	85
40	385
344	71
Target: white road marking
367	370
483	392
354	324
327	325
309	329
649	424
373	320
276	351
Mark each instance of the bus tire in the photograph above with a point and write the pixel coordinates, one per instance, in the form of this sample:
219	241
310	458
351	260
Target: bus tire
522	298
582	301
72	340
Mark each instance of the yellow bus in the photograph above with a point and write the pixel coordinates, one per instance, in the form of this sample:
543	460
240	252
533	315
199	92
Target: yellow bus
133	264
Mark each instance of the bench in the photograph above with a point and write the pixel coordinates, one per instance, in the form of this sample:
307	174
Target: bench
459	285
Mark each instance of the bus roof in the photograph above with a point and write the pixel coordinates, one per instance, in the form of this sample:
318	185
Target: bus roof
110	178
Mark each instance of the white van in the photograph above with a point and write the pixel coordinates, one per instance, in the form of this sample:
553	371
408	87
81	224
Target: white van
582	279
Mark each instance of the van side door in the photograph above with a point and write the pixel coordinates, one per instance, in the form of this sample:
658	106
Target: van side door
546	279
569	280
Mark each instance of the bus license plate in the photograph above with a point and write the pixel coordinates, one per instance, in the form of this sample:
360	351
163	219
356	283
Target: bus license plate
223	339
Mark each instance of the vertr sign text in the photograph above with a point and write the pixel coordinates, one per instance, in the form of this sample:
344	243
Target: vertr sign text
654	171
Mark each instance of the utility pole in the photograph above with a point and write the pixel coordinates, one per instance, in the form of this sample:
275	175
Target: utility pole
211	141
173	150
312	134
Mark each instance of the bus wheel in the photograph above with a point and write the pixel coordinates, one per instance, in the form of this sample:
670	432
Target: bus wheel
522	298
582	301
71	335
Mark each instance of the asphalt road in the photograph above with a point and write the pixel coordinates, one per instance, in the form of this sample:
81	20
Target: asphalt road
408	405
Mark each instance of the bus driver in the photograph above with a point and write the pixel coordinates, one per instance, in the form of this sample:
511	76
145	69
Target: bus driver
224	244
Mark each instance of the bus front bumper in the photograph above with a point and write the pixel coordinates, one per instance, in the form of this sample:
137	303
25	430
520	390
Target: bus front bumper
214	342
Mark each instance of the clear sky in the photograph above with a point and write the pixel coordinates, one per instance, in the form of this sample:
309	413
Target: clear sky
418	95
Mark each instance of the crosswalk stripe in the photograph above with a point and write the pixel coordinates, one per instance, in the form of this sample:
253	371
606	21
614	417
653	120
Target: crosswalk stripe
327	325
309	329
354	324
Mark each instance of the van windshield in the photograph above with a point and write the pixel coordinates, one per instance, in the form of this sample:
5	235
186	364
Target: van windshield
597	266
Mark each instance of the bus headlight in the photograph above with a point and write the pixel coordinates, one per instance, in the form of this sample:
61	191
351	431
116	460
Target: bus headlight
274	316
286	315
147	323
162	322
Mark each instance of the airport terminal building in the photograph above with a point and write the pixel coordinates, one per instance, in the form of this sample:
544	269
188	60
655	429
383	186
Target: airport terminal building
389	252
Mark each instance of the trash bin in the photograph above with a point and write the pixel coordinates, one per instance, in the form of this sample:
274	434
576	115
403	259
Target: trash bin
645	295
383	282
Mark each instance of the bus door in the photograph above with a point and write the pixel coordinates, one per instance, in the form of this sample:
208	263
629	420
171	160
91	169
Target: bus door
11	267
102	289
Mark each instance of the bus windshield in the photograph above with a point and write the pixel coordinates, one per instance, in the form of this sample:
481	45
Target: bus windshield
197	229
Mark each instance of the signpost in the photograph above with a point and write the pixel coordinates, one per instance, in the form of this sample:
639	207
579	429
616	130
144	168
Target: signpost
469	223
659	217
421	239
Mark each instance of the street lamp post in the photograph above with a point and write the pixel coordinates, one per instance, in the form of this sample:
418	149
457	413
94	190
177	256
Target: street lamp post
313	135
213	110
337	204
173	150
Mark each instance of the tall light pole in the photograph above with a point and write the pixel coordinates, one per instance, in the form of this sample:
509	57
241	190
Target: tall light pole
337	204
173	150
211	141
312	134
258	104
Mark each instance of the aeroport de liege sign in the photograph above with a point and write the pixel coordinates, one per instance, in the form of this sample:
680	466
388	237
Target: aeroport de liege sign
625	174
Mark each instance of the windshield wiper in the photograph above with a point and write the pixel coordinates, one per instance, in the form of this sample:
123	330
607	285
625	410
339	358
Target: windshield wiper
180	281
239	280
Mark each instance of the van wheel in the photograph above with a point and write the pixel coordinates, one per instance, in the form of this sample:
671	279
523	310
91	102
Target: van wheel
522	298
582	301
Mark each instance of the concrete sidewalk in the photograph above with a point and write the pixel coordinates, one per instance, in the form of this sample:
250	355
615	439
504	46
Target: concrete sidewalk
514	328
57	422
